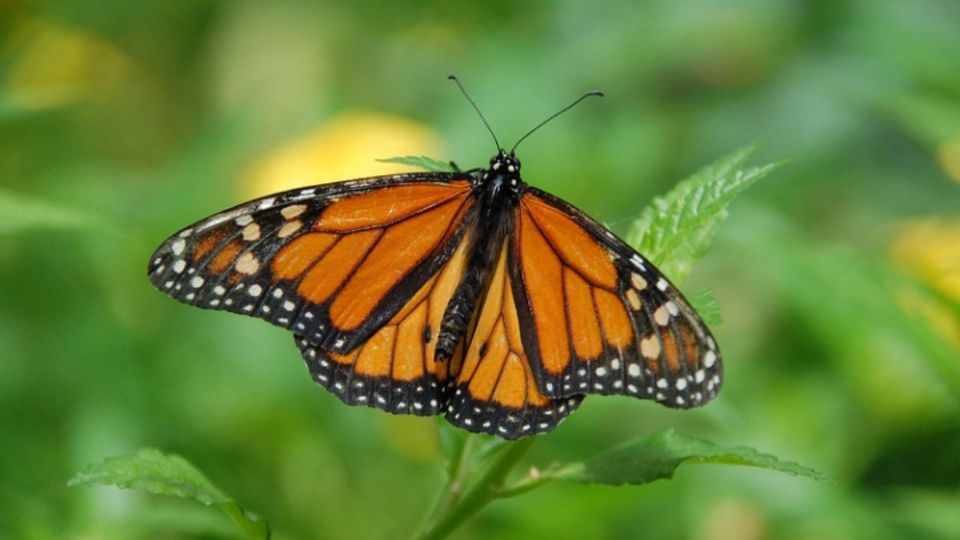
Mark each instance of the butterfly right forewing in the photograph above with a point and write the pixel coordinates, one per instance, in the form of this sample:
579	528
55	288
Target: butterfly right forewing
598	318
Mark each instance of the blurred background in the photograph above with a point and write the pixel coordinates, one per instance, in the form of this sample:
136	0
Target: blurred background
838	276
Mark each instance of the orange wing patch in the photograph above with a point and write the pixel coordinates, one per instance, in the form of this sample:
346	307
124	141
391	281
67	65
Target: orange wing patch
331	268
206	244
496	365
363	245
221	261
300	254
399	250
582	314
570	282
614	318
602	319
574	244
542	273
395	369
496	390
385	206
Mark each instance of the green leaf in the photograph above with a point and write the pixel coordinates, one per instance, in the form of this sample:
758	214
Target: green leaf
421	162
653	457
153	471
675	230
20	212
706	304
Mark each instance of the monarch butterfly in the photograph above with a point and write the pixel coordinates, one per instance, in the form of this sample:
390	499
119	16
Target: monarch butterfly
467	293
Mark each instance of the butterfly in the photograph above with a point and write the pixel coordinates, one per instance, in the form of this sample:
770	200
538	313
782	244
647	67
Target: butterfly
470	294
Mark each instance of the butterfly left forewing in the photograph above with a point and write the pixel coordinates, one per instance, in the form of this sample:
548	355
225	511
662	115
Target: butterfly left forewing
599	318
332	263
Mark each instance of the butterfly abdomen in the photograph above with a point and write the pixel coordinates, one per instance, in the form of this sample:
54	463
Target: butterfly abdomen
494	222
459	312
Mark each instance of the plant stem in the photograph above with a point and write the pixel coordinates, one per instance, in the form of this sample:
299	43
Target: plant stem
454	488
482	491
252	529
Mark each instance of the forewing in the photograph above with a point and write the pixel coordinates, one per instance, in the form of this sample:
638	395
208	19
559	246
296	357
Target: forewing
495	390
333	263
599	318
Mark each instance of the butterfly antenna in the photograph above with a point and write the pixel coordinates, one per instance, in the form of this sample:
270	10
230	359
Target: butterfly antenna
466	95
556	114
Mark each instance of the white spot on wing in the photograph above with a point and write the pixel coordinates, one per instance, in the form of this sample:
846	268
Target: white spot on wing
650	347
266	203
293	211
251	232
247	264
661	316
709	359
289	228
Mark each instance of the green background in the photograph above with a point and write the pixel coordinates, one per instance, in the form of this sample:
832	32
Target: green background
838	276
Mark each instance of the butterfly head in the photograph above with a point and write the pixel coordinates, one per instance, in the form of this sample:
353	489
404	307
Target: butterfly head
502	177
506	166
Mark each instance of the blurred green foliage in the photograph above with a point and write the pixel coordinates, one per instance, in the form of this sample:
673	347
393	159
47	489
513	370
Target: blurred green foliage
838	278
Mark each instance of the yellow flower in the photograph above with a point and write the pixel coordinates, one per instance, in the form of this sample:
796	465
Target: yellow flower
930	250
345	147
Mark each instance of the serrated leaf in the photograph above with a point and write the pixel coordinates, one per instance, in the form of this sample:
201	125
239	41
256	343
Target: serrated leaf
675	230
152	471
20	212
653	457
706	304
421	162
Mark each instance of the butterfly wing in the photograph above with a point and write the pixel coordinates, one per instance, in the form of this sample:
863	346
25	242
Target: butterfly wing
495	390
333	263
396	369
599	318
